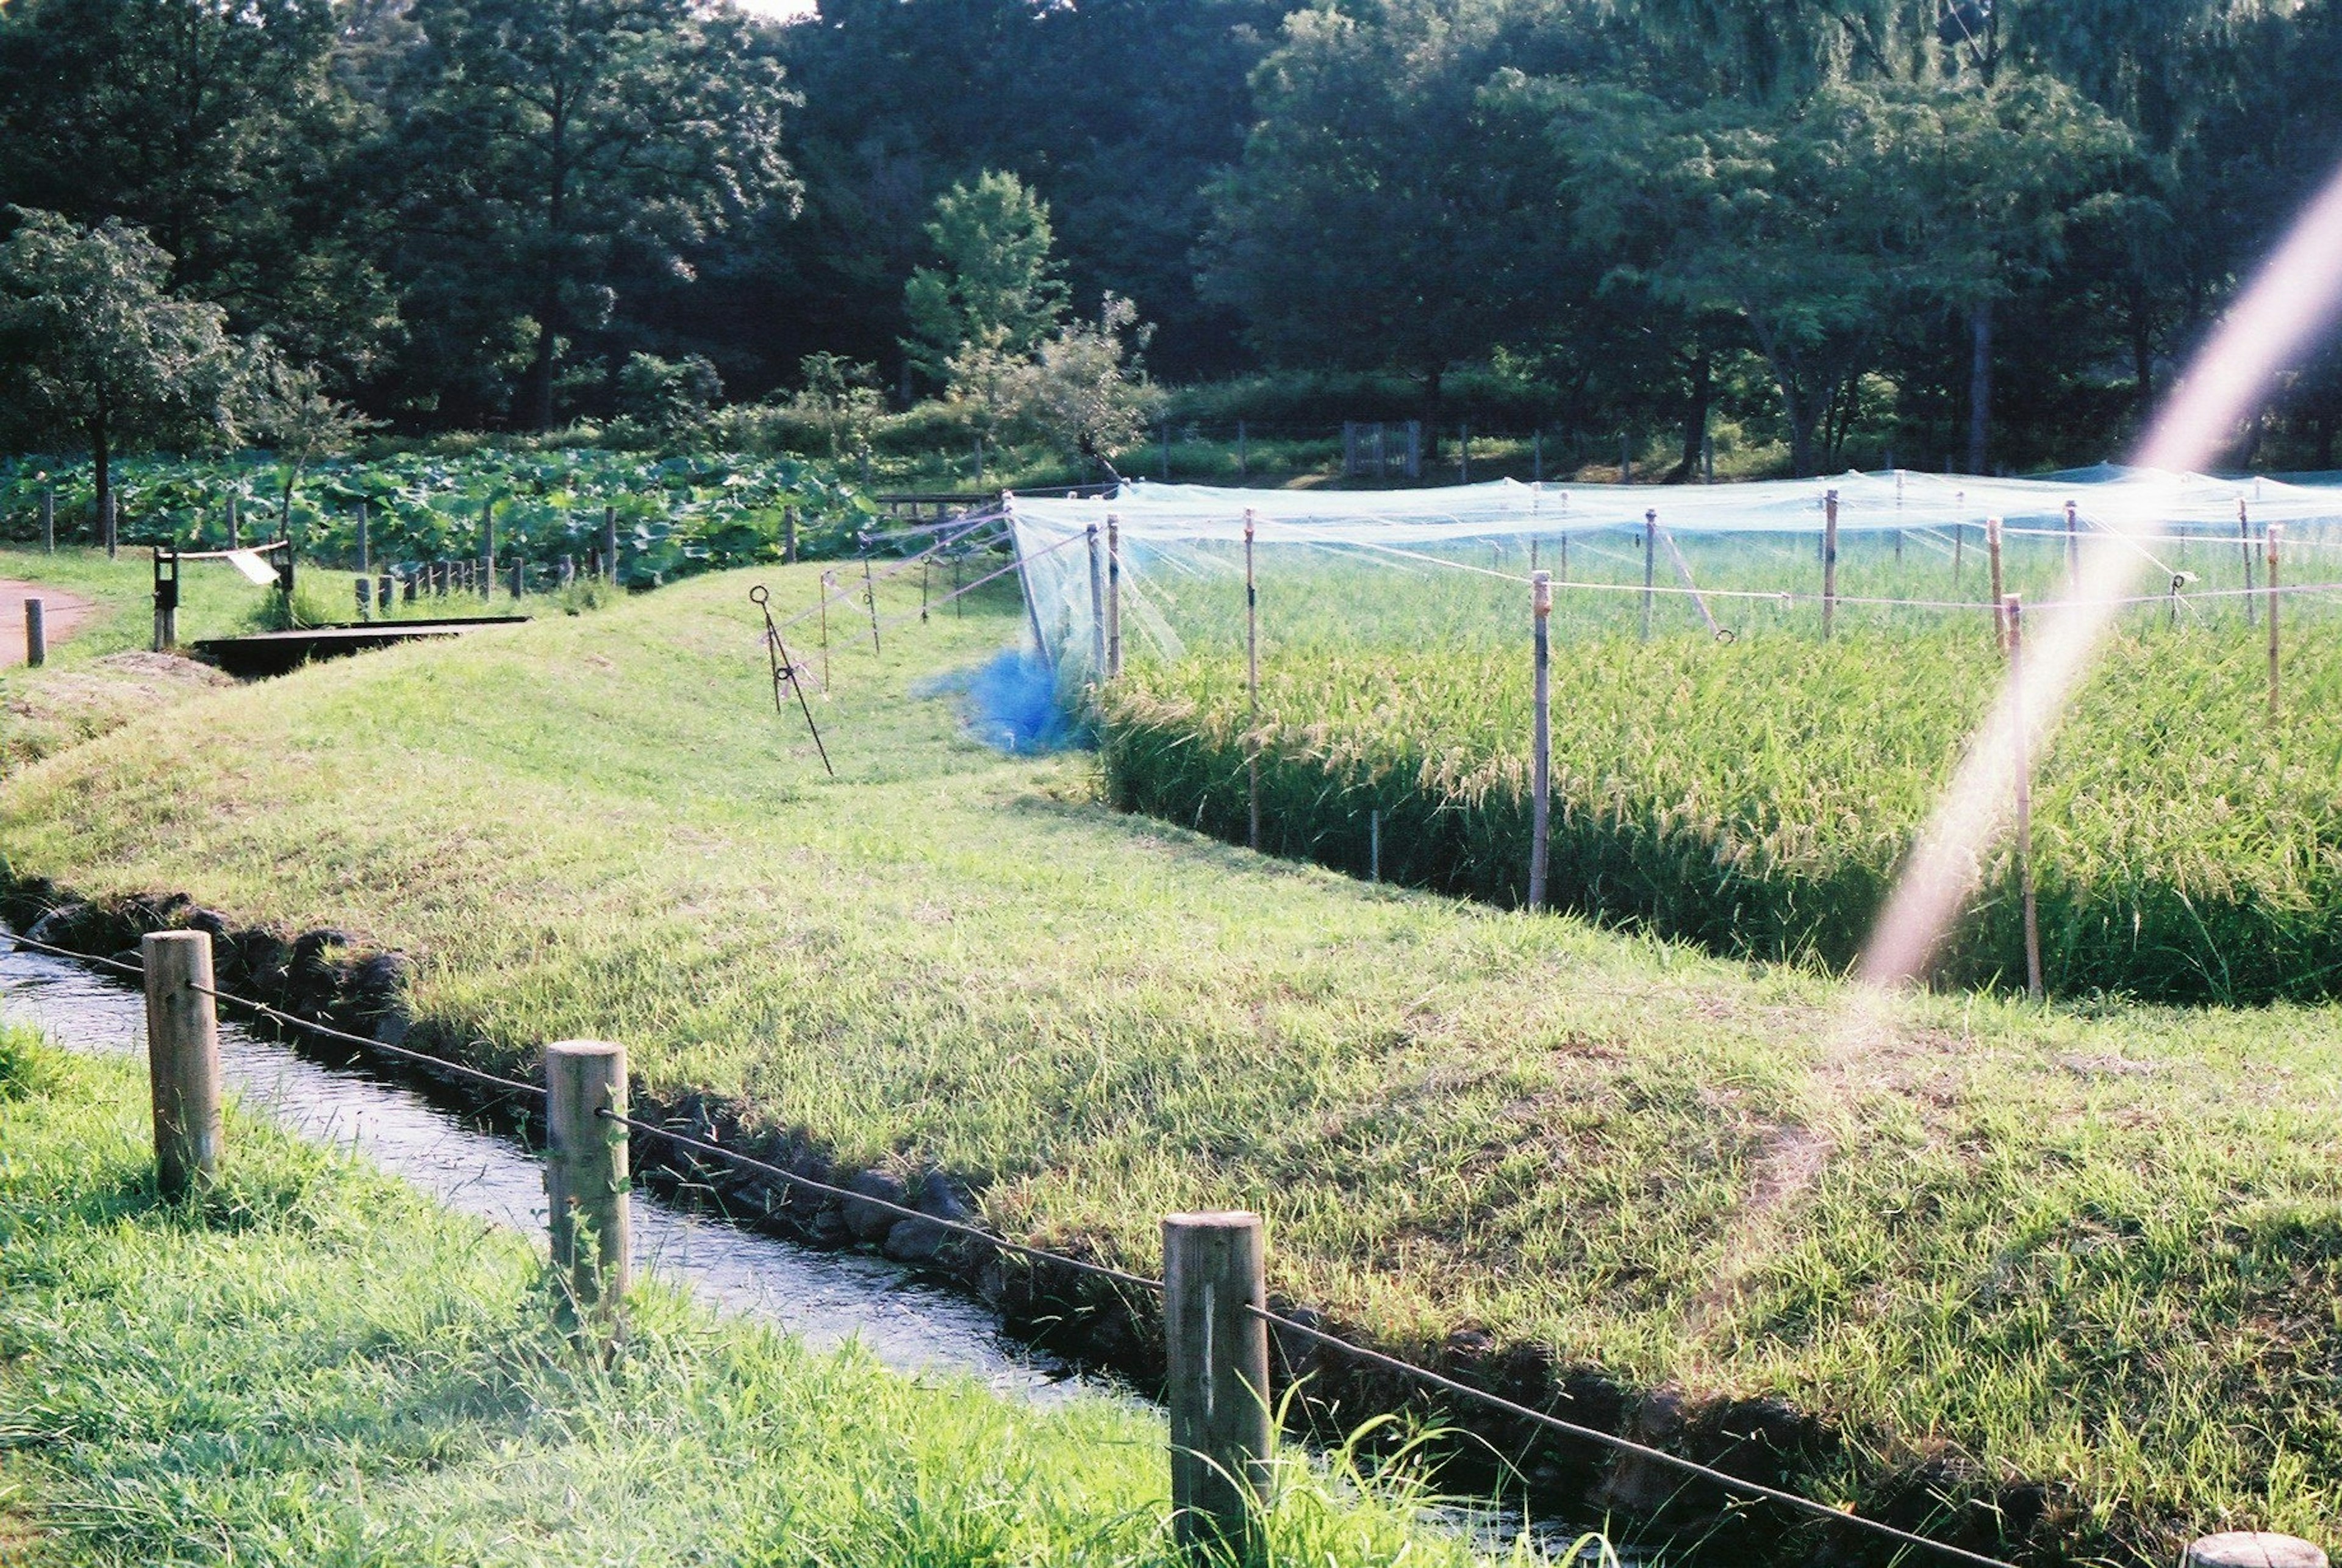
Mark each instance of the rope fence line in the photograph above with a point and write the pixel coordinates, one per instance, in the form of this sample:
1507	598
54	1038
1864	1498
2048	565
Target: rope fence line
160	1052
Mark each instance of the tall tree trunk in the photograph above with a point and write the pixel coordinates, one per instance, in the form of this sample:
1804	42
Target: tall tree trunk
539	413
101	463
1979	385
1695	430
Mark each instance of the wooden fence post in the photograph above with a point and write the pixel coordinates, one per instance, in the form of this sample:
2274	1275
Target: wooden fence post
183	1062
1097	604
1375	844
828	588
2252	1549
1113	597
2023	760
1217	1380
789	532
2269	535
235	522
586	1168
49	518
383	587
520	578
870	597
1829	562
487	579
37	634
2245	544
365	591
1541	779
1650	566
365	557
610	544
1999	604
2073	551
1252	689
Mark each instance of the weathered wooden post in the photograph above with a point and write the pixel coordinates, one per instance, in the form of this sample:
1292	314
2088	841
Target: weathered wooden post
2252	1549
2245	544
585	1170
383	585
2269	535
1113	596
488	578
1217	1380
610	544
828	588
2073	550
1541	743
1650	566
366	556
2024	761
1999	605
519	579
1375	844
235	520
789	532
1252	689
49	518
1097	605
365	593
183	1065
1829	562
870	597
37	634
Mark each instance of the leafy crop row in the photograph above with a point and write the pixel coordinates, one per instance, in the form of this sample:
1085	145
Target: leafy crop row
676	514
1758	796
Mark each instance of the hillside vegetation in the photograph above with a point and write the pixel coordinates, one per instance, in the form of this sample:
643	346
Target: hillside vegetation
2084	1255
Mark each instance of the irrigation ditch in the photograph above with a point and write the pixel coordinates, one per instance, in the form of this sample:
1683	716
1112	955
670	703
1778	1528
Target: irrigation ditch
1071	1313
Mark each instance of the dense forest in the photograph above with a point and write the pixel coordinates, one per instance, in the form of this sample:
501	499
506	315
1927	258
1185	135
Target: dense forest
1970	231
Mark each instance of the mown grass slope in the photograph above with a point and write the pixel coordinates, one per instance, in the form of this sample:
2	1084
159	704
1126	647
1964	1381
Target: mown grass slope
2097	1248
313	1365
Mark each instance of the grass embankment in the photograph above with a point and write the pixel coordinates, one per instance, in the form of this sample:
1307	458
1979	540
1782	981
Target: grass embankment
2096	1249
313	1365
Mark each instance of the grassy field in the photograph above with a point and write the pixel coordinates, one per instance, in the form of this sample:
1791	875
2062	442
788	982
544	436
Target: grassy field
2090	1247
313	1365
1758	795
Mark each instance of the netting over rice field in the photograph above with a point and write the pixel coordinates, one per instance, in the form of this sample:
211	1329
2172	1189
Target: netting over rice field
1747	733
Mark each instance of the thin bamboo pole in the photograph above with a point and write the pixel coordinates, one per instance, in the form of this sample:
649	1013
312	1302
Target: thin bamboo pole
1541	780
1252	689
1999	599
2023	760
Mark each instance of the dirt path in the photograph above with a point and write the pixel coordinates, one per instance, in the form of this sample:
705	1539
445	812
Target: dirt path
61	612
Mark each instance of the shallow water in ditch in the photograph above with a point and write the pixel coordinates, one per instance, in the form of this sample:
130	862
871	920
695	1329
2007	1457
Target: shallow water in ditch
825	1298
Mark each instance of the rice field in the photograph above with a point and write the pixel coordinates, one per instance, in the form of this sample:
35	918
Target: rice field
1757	792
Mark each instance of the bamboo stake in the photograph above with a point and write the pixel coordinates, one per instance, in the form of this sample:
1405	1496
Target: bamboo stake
1252	686
2244	543
1541	780
1999	605
1097	604
1113	595
1650	566
2033	986
1829	563
2269	534
870	597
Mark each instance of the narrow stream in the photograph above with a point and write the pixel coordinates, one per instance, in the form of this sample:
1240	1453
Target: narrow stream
825	1298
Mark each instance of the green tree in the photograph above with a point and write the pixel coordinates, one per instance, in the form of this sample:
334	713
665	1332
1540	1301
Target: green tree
998	284
1089	392
223	130
103	352
1389	214
287	406
543	141
840	399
